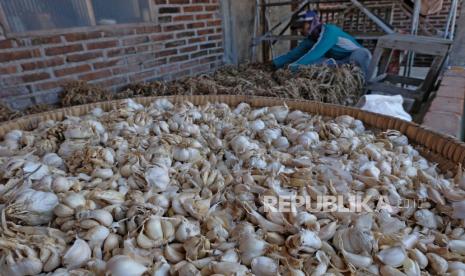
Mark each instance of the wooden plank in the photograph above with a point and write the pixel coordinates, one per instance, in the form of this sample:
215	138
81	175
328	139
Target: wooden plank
404	80
432	76
4	21
374	62
457	56
394	90
282	37
275	4
153	12
90	12
427	48
417	39
264	29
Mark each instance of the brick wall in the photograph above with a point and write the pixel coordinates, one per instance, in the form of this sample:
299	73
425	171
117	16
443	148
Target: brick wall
187	39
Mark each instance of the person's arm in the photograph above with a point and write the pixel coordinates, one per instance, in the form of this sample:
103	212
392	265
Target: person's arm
293	55
326	41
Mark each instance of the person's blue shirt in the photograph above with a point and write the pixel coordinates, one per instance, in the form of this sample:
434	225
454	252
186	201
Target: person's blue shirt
332	43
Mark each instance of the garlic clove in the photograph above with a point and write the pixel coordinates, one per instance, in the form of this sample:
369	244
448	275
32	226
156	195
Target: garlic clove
393	256
77	255
264	266
120	265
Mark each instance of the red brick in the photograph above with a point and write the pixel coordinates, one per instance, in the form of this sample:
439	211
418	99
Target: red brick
141	76
46	40
169	10
215	37
47	85
14	91
189	64
172	28
95	75
125	69
112	82
119	32
43	63
448	123
176	43
166	53
197	40
12	81
452	92
446	104
168	69
164	19
201	68
71	37
192	9
36	77
188	49
178	2
182	74
160	2
216	22
179	58
102	45
72	70
8	70
154	63
6	44
208	46
108	63
142	48
148	29
206	31
204	16
212	8
83	57
23	54
195	25
183	18
59	50
200	1
456	82
135	40
199	54
161	37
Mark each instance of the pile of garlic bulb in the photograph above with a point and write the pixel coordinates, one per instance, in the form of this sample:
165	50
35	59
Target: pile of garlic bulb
179	190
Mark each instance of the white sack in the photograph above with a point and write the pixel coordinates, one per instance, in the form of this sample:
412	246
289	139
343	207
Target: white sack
387	105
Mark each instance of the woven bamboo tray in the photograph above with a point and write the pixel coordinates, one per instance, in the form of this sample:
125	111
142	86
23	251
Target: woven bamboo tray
447	151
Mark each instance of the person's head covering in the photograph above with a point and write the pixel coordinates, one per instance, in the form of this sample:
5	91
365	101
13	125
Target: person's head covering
311	17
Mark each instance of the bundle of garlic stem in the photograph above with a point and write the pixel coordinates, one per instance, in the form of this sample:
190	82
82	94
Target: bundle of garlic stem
180	190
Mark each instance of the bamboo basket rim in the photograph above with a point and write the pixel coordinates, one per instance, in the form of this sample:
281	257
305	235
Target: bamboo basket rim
447	151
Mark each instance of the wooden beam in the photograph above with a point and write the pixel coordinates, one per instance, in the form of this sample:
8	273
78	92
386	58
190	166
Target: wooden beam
4	22
90	12
275	4
264	30
457	56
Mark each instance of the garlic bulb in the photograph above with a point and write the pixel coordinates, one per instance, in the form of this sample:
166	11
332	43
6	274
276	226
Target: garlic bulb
264	266
158	178
33	207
